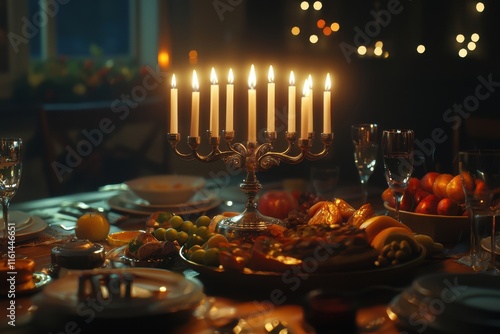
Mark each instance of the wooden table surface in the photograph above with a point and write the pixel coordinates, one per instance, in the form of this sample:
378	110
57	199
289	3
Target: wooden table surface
258	309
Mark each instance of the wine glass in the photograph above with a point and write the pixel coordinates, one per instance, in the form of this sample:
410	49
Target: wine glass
365	140
480	174
397	147
10	176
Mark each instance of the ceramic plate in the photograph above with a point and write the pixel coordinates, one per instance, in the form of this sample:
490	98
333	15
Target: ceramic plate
32	231
449	303
154	292
486	244
118	203
201	198
19	218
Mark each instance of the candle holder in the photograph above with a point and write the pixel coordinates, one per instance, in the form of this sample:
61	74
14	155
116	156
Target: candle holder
251	157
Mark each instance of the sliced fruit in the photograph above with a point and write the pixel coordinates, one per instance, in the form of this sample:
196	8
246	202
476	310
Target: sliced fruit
376	224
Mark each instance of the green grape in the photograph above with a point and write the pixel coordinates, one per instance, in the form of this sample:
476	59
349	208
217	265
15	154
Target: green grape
171	234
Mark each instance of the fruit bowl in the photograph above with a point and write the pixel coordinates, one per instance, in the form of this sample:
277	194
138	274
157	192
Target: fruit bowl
443	229
166	189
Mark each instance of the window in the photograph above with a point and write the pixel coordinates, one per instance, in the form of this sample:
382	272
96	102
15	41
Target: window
84	28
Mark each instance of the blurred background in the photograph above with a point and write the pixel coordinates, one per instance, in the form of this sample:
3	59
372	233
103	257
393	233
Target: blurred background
428	65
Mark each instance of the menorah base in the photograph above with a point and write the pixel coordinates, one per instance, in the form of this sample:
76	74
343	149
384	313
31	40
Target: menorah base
246	226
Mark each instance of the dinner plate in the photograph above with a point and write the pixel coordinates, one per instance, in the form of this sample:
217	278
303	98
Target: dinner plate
19	218
118	203
449	303
200	198
486	244
33	230
154	292
302	280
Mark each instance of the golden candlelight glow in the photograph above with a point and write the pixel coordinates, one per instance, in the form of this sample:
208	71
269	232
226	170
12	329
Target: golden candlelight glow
460	38
213	77
230	77
421	48
252	79
480	7
474	37
195	84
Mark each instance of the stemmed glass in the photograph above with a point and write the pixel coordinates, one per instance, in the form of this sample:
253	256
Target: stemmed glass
397	147
480	173
365	140
10	176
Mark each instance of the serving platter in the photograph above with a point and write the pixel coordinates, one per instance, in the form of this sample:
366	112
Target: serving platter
38	225
300	281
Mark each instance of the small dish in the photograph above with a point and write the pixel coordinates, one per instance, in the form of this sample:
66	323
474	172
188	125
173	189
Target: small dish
121	238
166	189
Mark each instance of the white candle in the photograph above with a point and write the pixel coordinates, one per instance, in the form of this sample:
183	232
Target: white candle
214	105
195	107
304	111
327	111
270	100
229	101
310	121
252	106
291	103
173	106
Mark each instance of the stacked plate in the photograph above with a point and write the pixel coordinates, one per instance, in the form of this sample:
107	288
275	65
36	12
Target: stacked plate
449	303
154	294
129	203
27	226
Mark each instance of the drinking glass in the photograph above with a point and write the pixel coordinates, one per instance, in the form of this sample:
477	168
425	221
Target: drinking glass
10	176
365	140
397	147
480	174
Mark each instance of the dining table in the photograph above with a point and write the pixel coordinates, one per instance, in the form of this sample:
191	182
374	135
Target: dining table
233	302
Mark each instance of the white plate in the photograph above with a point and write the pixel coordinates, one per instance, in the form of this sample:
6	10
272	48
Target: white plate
449	303
200	198
118	203
486	244
19	218
181	294
32	231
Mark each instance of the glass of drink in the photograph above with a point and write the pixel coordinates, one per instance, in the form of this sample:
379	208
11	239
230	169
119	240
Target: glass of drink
365	140
397	147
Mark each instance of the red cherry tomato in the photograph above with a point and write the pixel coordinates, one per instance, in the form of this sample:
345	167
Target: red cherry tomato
276	203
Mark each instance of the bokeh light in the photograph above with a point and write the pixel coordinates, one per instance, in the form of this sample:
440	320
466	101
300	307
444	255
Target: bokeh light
421	48
304	5
317	5
460	38
313	39
295	31
335	26
480	7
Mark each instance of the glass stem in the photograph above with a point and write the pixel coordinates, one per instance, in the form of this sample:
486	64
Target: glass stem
364	192
5	214
397	196
493	261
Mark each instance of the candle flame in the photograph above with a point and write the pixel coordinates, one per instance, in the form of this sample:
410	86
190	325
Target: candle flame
292	79
328	83
213	77
174	82
196	85
306	90
270	75
310	80
252	80
230	77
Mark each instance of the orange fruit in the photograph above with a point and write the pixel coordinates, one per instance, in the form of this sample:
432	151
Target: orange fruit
440	184
376	224
455	191
92	226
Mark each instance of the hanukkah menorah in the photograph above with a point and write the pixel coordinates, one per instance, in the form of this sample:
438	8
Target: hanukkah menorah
251	156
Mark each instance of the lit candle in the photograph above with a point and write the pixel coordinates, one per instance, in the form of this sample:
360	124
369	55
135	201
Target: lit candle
173	106
291	103
310	121
214	105
252	106
270	100
327	112
304	110
229	101
195	107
